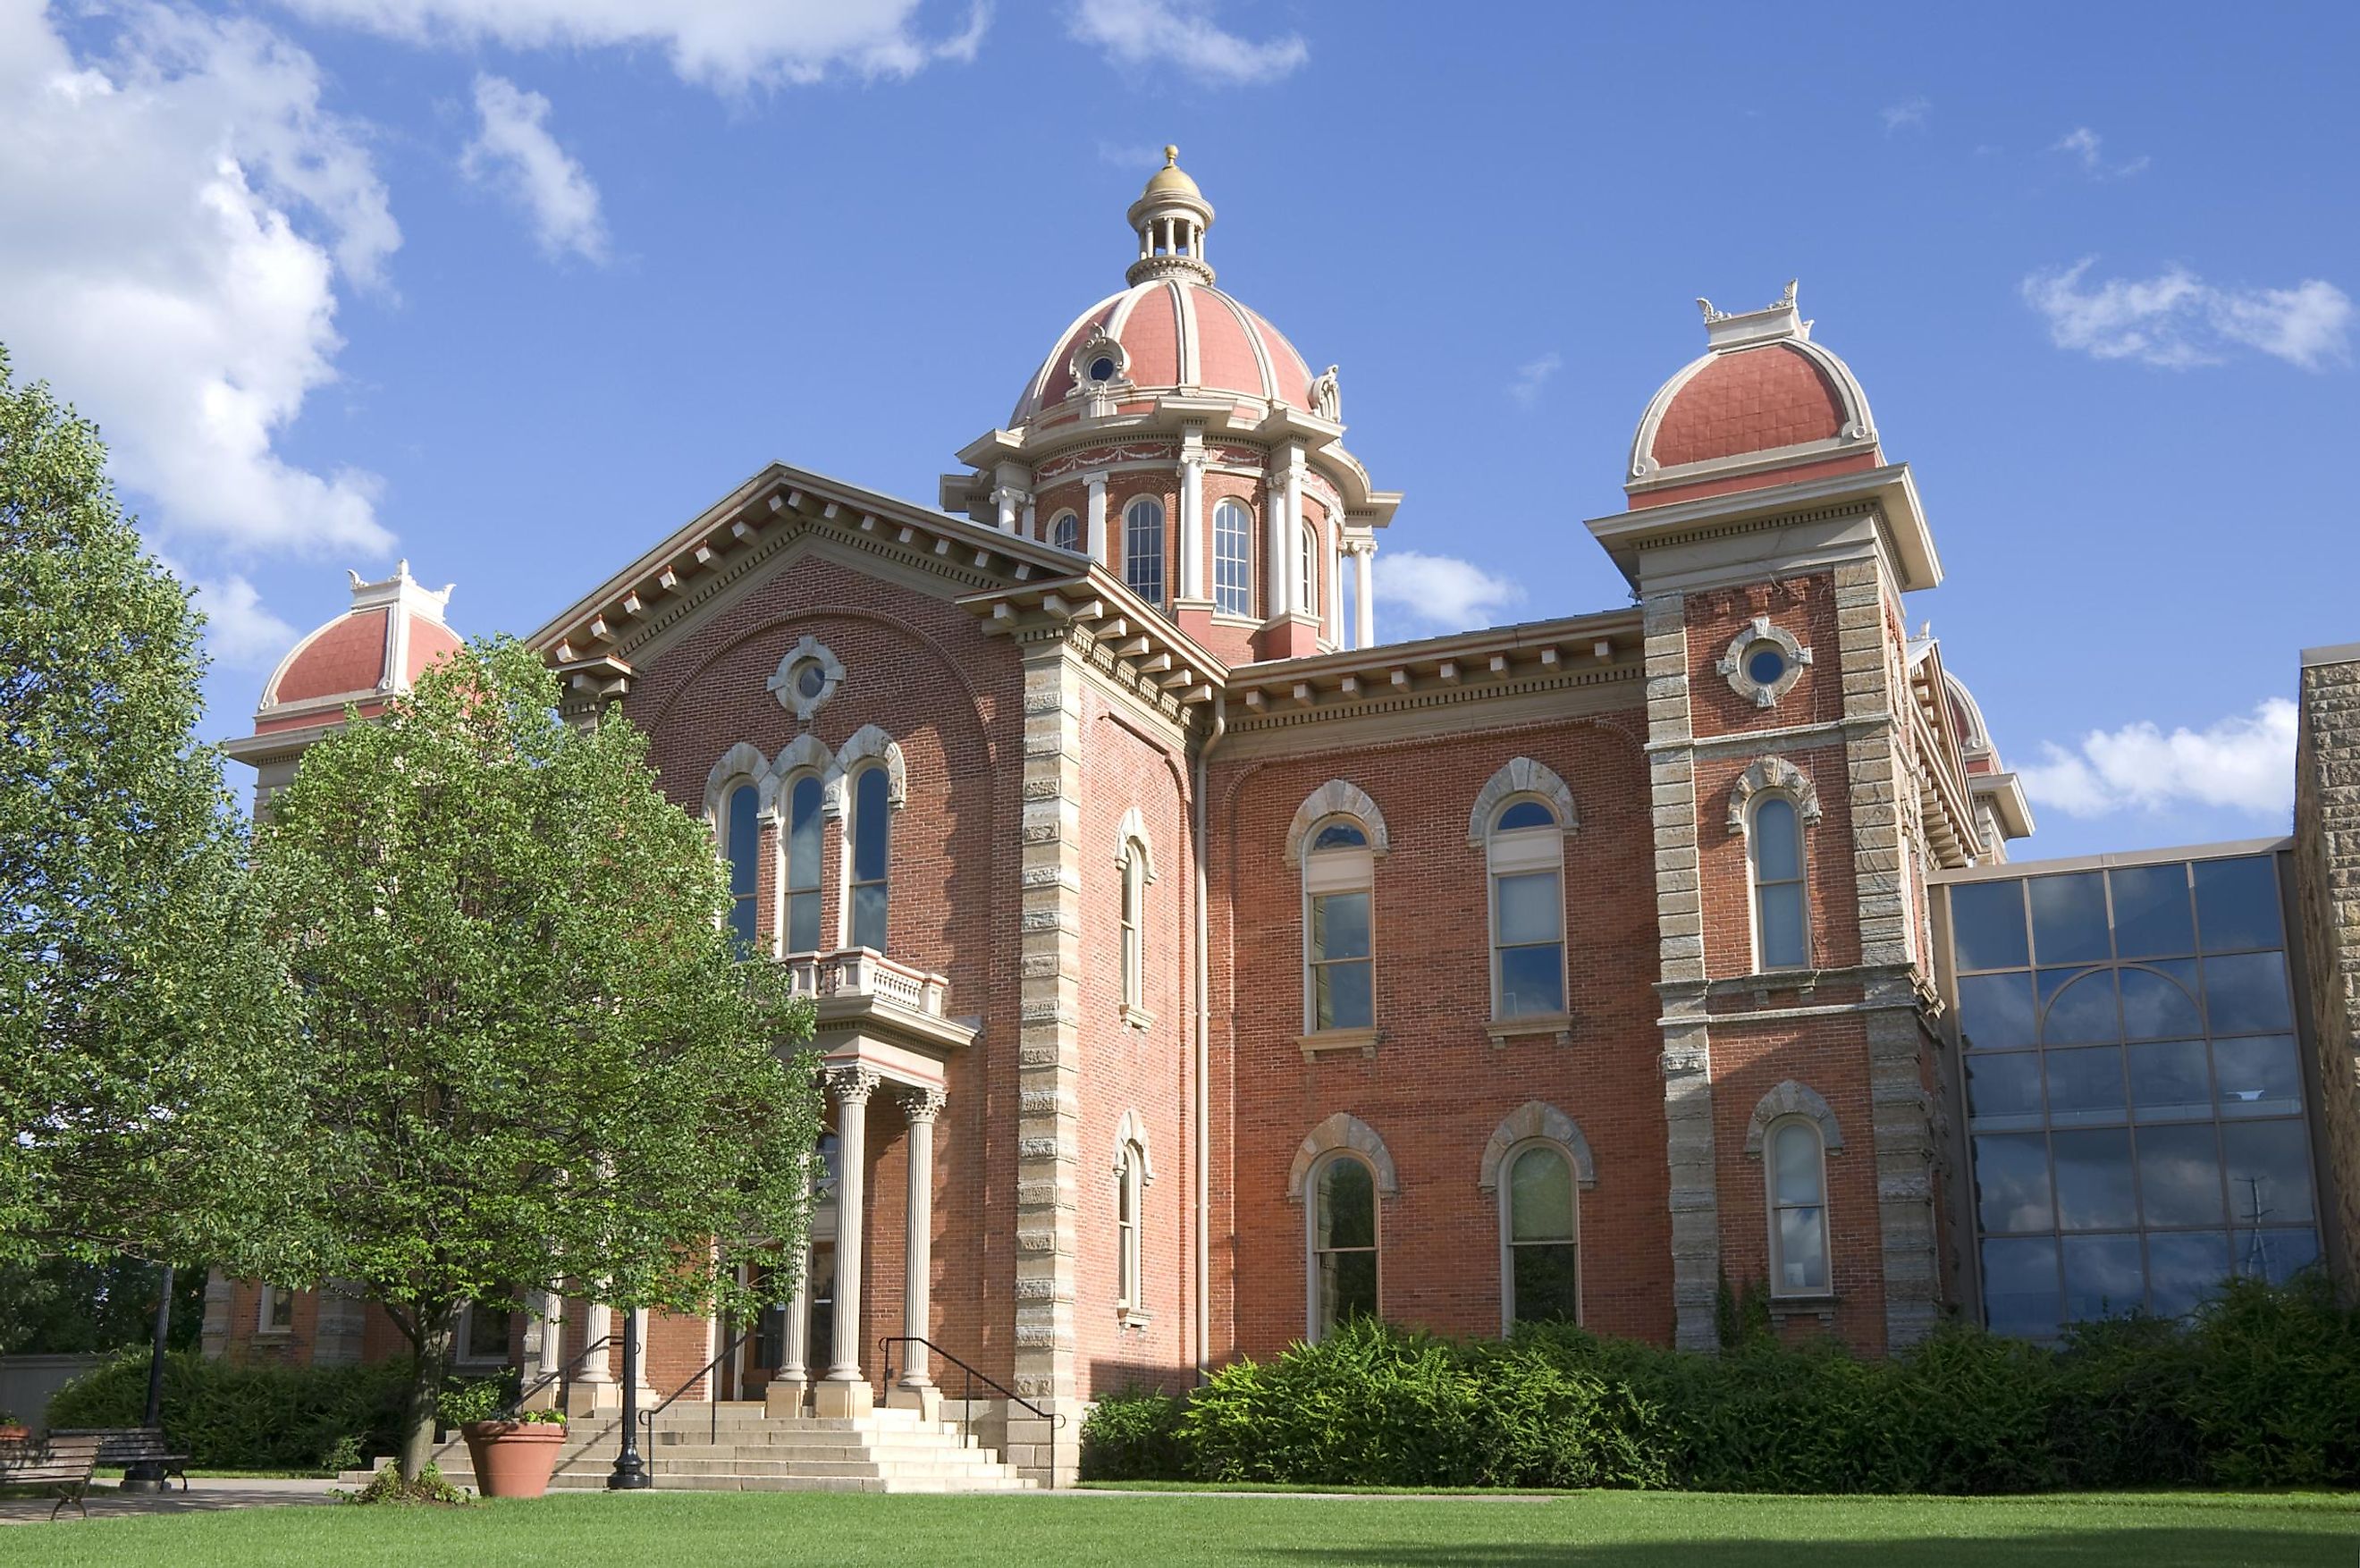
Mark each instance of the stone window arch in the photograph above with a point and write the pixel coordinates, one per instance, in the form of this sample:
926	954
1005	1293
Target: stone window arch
1521	776
741	763
1536	1119
1336	797
1343	1131
866	743
1537	1166
1778	775
1793	1099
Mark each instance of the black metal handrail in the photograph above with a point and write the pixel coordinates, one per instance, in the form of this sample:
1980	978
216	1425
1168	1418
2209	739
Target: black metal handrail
508	1411
967	1402
712	1401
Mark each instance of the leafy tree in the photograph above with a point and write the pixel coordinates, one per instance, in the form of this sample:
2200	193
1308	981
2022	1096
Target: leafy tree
137	1001
63	1306
528	1051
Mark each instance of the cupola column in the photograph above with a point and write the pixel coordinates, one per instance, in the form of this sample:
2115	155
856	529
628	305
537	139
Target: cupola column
1364	608
1285	532
1097	537
1192	516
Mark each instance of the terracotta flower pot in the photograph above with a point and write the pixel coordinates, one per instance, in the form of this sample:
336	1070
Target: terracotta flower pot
513	1459
12	1431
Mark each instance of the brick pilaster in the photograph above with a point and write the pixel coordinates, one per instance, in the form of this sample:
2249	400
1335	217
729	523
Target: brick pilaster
2327	890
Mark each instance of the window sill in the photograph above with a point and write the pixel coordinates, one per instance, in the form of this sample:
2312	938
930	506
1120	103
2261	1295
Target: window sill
1502	1030
1137	1018
283	1331
1315	1045
1821	1306
1132	1318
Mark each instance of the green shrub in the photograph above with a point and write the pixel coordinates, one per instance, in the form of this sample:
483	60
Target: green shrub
256	1417
1133	1436
2273	1390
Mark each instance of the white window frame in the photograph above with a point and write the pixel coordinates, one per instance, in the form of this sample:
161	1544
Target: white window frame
788	888
1771	1208
1163	562
1064	519
1134	929
1130	1194
1517	851
270	1295
723	819
1314	1329
1233	596
1309	545
1755	884
1507	1191
462	1339
853	783
1338	871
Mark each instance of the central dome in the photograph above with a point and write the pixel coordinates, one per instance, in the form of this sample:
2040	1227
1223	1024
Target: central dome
1169	334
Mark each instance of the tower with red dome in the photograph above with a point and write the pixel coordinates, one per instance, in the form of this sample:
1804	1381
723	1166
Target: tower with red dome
1174	436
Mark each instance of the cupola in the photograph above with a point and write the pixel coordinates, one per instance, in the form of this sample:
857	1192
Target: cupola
1170	218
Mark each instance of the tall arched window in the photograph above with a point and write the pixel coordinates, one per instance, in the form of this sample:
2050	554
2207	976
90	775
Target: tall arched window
1065	532
1310	604
741	837
1781	922
1338	874
1134	925
1540	1232
1142	548
1232	545
803	865
872	829
1343	1243
1798	1171
1526	854
1130	1178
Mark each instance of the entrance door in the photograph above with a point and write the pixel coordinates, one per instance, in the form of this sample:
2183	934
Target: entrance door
766	1353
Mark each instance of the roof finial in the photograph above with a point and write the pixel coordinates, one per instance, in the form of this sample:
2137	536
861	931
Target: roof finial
1171	155
1170	219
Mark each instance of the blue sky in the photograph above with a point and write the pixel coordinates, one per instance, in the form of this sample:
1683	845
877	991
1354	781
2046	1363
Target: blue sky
514	287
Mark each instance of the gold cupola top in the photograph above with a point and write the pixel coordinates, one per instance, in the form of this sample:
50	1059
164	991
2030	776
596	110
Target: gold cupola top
1170	219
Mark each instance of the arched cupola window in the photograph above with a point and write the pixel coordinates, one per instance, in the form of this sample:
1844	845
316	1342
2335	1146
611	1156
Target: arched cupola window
1142	548
1233	558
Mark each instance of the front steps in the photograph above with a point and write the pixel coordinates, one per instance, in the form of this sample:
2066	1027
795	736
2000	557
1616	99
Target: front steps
695	1448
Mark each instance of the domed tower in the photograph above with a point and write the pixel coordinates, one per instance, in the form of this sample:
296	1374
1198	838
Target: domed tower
1176	437
376	650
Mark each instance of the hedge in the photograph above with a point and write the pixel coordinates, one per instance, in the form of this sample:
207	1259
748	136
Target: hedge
254	1417
2260	1388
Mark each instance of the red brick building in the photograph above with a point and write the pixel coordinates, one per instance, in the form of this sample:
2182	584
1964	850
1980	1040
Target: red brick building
1193	970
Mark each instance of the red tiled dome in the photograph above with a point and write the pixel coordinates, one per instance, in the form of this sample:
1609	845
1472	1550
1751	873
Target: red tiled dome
377	648
1174	333
1755	400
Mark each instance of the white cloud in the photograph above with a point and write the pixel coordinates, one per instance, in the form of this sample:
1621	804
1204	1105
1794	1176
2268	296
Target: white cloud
2178	320
2244	762
513	150
1907	115
179	216
1534	375
240	630
1441	593
2087	148
1183	33
728	45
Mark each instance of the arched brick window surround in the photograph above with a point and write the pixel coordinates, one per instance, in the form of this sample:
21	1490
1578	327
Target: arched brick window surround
1336	797
1776	775
1522	775
804	754
1343	1131
741	763
1792	1099
864	743
1533	1121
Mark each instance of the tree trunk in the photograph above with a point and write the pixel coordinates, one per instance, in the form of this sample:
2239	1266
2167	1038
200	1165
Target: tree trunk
435	1329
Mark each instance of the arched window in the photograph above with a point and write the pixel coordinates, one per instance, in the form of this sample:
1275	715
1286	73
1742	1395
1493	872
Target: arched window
1134	925
1232	541
1130	1178
1065	532
1310	604
1540	1234
803	865
741	837
1798	1171
1781	924
1338	874
1525	849
872	829
1343	1259
1142	548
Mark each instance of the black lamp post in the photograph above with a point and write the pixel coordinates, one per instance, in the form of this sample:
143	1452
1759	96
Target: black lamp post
630	1471
148	1475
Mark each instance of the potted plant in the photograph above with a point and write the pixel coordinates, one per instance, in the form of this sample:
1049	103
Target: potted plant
514	1454
14	1431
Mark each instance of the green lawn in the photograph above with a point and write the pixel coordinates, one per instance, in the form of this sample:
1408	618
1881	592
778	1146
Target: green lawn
1650	1530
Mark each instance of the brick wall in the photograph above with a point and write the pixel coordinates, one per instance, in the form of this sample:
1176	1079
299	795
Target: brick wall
2327	888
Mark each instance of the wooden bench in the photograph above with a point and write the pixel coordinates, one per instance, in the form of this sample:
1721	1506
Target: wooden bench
128	1446
61	1461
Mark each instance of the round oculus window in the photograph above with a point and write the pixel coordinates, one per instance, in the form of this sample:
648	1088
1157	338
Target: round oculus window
810	678
1102	368
1765	663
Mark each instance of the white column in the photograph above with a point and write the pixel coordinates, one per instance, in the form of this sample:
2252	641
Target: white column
922	1106
1277	534
552	1358
1364	608
1290	574
1031	530
844	1392
784	1395
1192	523
1331	586
594	1388
1096	537
1005	500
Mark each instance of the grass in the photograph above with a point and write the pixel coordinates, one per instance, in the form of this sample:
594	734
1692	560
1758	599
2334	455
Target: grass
1640	1530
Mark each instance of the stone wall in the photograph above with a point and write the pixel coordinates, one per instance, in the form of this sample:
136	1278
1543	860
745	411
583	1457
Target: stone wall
2327	888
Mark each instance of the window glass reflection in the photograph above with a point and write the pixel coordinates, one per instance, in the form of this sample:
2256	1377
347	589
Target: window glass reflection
2012	1182
2245	994
2179	1175
2069	918
2169	1082
1996	1012
2258	1076
2104	1277
2160	1004
2151	911
2085	1086
2093	1180
2020	1285
2269	1172
1987	925
2237	904
2078	1007
2004	1092
2182	1268
2275	1256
